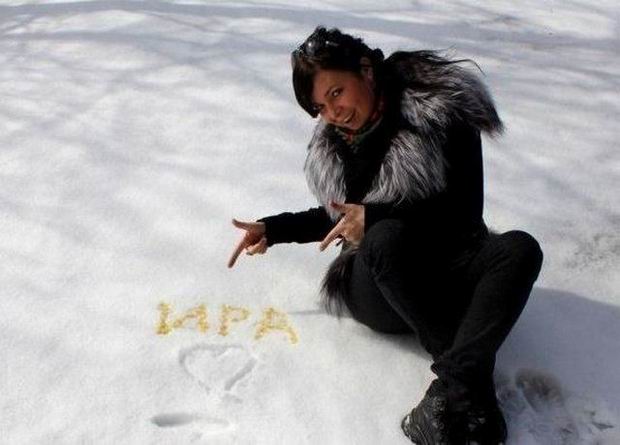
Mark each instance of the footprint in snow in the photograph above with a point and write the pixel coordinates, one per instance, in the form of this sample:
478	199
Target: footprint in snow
173	420
536	401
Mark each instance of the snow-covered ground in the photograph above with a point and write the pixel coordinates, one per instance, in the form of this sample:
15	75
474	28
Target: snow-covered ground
131	132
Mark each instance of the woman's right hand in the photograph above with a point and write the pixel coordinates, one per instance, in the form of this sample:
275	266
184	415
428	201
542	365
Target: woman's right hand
253	241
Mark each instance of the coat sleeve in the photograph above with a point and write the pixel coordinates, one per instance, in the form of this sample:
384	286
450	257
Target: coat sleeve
299	227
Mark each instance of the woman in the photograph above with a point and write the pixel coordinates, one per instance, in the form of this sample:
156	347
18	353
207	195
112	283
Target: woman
396	165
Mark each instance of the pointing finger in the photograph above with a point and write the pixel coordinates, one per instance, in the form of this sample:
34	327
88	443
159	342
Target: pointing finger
332	235
236	253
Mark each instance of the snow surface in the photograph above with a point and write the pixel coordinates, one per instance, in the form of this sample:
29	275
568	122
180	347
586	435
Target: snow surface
131	132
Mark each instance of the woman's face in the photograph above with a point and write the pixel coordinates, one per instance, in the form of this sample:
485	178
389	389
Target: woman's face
344	98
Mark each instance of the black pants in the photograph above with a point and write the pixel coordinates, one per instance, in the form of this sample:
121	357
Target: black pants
461	303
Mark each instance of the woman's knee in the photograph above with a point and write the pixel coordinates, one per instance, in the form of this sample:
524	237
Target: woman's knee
525	249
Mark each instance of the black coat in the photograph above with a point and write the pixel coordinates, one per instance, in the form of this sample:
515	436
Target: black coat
422	163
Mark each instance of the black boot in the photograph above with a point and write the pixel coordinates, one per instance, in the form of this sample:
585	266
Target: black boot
486	424
436	420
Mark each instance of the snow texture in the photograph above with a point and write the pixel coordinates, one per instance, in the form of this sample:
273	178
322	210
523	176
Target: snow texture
131	132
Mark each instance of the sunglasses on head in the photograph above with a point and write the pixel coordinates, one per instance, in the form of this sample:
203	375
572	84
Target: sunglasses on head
314	47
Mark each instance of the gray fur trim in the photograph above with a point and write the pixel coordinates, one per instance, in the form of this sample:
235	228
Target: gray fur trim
456	93
324	170
410	170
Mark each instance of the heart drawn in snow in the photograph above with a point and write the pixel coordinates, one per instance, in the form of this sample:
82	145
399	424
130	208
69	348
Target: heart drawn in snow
218	368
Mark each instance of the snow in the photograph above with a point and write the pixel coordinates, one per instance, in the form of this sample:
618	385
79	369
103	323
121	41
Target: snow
131	132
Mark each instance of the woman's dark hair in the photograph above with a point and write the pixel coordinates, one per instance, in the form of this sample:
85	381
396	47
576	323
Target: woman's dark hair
328	50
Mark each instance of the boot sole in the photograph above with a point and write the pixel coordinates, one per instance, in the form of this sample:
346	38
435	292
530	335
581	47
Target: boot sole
415	435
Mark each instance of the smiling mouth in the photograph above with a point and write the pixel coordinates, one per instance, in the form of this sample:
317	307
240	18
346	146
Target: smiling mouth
348	119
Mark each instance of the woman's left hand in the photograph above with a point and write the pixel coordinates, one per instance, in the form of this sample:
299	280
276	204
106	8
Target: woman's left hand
350	226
